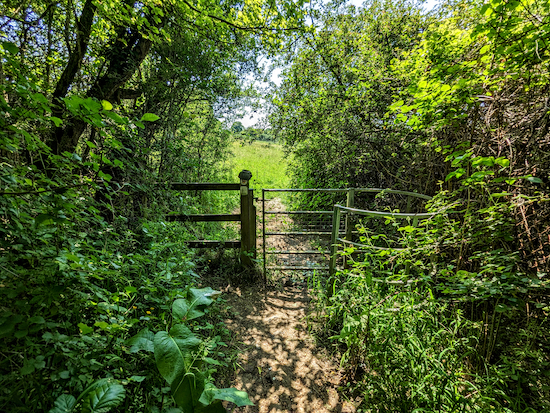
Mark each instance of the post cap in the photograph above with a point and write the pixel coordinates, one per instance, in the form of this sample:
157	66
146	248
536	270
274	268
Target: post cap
245	175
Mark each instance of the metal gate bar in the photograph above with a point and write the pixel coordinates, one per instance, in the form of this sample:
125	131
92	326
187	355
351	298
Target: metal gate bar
405	199
316	229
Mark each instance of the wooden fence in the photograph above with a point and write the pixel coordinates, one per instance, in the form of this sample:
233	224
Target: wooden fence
247	216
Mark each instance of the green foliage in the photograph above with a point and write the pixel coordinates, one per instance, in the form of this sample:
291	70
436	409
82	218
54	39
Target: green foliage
101	396
330	111
86	259
452	104
426	323
181	356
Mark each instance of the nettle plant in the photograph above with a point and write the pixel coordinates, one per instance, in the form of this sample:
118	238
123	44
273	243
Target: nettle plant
182	357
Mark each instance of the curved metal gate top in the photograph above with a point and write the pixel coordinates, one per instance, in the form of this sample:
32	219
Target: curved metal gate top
300	240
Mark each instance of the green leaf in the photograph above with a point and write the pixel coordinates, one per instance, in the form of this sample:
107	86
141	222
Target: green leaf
458	173
174	351
91	104
9	325
505	163
142	341
104	176
534	179
408	229
481	174
149	117
10	47
192	307
484	49
101	324
64	404
56	121
396	105
212	361
40	98
211	393
28	367
102	396
43	218
129	289
138	379
37	320
483	160
185	392
181	310
116	118
202	296
106	105
21	333
84	329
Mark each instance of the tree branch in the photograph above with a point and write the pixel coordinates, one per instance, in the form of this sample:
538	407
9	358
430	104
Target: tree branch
236	26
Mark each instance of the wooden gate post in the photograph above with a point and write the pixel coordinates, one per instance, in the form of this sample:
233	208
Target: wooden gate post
247	207
253	223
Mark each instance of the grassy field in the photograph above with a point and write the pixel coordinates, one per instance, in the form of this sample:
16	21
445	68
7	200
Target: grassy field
265	160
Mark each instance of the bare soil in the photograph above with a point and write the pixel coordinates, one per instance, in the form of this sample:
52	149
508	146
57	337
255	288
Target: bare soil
280	366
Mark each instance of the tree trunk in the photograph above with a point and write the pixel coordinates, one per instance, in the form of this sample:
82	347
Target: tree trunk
123	59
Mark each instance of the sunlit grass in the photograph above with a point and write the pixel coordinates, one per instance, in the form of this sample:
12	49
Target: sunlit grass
265	160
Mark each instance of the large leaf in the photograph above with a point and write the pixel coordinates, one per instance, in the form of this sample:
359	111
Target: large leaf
185	393
64	404
211	393
174	351
202	296
192	307
102	396
142	341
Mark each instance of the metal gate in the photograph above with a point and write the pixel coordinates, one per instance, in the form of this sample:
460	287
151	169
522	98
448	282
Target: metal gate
293	239
300	240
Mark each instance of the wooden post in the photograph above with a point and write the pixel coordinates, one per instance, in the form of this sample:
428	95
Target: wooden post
252	210
246	241
333	249
350	203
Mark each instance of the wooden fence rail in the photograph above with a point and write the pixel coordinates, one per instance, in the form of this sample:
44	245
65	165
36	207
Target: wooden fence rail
247	216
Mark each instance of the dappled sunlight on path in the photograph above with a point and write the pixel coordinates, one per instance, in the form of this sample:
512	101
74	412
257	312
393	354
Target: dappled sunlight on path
280	366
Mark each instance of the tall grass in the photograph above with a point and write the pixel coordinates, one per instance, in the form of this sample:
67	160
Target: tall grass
414	335
265	160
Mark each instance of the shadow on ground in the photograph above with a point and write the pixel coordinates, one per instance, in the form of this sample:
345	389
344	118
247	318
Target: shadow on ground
279	366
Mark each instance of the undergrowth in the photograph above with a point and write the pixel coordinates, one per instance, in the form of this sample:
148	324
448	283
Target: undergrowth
448	323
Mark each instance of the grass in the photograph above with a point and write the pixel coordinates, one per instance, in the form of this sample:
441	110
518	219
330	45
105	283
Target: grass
265	160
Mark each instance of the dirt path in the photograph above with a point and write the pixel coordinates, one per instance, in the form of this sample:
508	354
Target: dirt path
280	367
